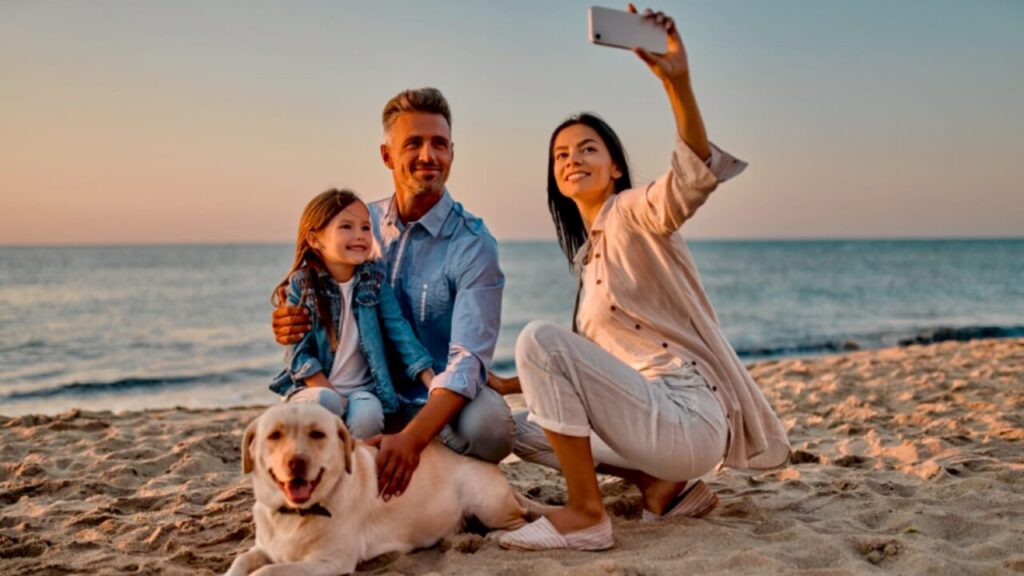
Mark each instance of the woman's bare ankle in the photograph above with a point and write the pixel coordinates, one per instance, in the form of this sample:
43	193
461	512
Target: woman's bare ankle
577	517
657	495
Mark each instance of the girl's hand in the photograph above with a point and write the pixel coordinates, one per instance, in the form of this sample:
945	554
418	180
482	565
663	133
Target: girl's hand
504	386
318	380
426	377
672	66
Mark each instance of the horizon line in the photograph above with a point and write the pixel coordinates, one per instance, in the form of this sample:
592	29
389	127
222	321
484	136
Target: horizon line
736	239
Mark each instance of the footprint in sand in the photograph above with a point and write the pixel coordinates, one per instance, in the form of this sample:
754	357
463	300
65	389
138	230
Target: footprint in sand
852	461
877	551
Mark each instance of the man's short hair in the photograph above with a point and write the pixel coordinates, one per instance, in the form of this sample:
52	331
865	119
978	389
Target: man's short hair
423	100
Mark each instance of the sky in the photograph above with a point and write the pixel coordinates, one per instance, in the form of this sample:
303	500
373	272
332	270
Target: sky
200	121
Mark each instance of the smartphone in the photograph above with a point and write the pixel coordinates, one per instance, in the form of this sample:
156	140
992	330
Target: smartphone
625	30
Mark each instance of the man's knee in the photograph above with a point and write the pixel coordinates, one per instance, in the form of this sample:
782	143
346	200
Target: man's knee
486	425
530	437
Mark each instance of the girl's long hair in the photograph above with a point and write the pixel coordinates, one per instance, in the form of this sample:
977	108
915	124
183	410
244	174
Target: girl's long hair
317	214
568	223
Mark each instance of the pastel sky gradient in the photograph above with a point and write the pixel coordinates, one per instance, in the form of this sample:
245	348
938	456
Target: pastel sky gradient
215	121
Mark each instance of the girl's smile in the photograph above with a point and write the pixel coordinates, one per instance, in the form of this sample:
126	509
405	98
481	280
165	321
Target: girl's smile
345	241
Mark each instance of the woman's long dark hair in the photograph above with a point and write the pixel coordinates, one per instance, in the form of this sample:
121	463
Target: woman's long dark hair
568	223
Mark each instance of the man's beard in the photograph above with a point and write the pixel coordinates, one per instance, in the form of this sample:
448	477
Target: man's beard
434	188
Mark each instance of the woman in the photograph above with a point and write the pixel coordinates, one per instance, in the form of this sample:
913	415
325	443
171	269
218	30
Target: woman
645	384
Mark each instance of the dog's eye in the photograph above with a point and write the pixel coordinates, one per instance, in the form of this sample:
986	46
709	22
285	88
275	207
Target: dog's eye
275	435
317	435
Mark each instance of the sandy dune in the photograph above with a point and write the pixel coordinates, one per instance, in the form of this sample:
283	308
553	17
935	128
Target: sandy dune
905	461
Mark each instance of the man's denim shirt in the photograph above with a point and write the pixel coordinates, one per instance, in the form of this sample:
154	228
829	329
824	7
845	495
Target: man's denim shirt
373	305
445	274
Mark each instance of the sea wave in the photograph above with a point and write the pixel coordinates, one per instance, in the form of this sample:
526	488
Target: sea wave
31	344
883	339
137	383
506	365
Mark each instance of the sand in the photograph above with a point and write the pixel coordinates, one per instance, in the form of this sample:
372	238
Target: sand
906	461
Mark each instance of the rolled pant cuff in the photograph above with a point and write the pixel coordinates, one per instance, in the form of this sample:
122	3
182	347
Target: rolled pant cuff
560	427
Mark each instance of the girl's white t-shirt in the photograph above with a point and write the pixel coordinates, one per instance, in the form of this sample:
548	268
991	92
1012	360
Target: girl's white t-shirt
349	370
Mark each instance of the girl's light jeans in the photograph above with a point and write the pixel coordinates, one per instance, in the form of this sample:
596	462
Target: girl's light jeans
360	409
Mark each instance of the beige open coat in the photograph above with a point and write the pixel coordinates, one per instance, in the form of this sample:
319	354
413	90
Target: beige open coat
651	277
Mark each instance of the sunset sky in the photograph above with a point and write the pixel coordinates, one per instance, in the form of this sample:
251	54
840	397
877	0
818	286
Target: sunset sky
215	121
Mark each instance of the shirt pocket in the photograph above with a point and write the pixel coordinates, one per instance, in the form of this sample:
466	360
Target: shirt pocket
430	298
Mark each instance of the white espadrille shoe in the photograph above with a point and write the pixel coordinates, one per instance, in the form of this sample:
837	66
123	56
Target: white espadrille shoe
541	534
696	501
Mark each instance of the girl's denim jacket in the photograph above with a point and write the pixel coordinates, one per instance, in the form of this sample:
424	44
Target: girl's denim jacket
374	307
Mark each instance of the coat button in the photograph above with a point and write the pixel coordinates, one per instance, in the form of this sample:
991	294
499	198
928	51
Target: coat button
714	388
614	308
597	255
637	326
598	280
664	344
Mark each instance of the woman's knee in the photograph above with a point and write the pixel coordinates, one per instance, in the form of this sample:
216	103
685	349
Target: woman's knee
537	339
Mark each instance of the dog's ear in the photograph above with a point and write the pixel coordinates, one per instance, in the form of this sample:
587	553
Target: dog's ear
348	444
247	438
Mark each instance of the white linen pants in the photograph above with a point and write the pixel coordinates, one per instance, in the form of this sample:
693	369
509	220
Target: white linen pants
671	427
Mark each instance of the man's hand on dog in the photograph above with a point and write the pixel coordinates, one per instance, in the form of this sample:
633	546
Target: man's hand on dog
397	460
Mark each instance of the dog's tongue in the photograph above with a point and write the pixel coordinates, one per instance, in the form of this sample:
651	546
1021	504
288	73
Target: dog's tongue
299	491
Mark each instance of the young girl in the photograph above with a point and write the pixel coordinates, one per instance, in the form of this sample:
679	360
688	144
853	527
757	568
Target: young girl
341	362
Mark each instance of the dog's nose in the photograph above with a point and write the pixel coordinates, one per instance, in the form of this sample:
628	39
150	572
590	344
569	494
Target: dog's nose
297	466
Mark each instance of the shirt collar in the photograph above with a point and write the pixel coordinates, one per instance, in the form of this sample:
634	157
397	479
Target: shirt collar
324	275
579	257
432	221
598	224
579	260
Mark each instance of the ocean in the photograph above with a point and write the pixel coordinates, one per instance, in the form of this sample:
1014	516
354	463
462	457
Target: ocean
133	327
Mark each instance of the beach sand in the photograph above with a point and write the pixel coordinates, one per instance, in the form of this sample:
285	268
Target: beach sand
907	460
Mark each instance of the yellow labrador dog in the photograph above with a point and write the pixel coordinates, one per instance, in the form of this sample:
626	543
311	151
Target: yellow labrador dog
317	511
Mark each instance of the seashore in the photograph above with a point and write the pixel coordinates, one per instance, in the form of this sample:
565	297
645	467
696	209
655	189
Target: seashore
905	460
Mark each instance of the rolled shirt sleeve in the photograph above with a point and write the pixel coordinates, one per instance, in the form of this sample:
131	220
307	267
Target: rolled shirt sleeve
665	204
476	318
723	166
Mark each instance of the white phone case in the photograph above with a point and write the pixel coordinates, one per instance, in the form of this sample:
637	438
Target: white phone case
624	30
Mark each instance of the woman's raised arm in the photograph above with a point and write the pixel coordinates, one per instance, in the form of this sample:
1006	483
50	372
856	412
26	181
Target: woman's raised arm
673	69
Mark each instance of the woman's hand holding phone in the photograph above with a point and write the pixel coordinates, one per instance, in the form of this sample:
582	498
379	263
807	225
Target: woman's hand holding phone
673	65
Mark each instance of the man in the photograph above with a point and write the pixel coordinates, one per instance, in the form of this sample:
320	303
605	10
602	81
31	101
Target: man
443	266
